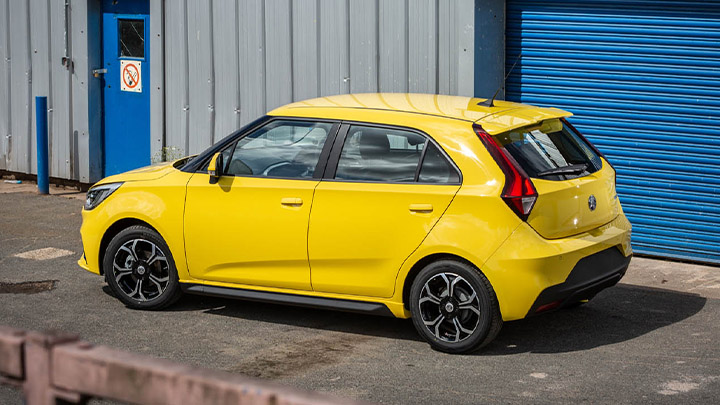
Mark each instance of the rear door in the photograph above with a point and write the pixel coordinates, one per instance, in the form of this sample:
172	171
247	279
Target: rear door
384	190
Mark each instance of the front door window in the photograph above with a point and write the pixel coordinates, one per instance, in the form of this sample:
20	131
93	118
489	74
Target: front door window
282	149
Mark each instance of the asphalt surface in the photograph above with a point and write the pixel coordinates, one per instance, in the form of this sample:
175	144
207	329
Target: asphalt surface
632	343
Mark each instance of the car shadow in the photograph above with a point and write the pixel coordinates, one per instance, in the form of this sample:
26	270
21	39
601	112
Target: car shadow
616	315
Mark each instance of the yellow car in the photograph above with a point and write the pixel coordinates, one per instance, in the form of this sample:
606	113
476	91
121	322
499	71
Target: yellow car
452	211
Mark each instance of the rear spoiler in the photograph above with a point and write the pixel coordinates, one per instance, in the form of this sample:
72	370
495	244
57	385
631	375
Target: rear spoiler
513	118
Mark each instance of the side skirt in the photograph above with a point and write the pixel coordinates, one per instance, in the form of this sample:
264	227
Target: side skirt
289	299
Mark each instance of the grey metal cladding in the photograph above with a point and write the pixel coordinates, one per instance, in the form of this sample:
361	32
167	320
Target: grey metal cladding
251	40
40	62
216	66
305	49
392	46
21	104
176	76
225	61
157	78
364	31
32	45
80	133
334	38
422	46
5	116
290	50
59	118
200	75
278	53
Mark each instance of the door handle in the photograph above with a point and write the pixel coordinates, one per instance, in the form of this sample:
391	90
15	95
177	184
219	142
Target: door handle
292	201
98	72
421	208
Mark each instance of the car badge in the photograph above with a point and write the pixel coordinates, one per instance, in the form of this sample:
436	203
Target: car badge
592	203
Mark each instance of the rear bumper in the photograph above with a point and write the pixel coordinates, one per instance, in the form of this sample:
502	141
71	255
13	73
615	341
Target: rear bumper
590	275
528	271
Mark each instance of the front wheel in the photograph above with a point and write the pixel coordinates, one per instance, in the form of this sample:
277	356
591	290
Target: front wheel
140	269
454	307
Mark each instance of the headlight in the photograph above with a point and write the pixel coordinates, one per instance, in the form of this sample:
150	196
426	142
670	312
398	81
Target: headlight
98	194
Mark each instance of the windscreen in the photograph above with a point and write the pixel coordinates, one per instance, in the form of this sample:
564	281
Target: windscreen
550	151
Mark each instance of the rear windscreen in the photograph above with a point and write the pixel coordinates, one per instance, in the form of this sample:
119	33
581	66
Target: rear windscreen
550	151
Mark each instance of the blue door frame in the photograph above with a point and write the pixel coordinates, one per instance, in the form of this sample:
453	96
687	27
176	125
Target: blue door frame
126	112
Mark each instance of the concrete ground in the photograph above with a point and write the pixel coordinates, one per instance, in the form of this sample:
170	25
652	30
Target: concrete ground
653	338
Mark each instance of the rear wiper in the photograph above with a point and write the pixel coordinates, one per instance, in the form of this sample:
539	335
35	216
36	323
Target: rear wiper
571	169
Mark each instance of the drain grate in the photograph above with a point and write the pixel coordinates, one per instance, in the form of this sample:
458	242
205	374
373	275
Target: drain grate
27	287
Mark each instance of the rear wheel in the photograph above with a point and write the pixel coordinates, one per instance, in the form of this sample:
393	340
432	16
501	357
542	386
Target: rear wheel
140	269
454	307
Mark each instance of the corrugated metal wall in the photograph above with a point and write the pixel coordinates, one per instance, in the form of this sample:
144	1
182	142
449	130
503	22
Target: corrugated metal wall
228	62
643	78
33	41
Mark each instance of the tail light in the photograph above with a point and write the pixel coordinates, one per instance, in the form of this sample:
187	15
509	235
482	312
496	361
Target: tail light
519	192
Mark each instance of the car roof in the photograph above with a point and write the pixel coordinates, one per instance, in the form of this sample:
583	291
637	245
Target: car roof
503	116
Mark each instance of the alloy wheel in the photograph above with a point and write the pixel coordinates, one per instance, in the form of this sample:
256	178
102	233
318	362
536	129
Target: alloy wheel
449	307
141	270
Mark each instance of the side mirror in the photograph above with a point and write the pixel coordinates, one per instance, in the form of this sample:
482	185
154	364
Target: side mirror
216	167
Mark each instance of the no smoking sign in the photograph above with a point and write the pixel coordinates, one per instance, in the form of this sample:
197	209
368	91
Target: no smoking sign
130	76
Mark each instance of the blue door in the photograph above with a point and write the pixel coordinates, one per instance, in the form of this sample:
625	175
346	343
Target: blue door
126	56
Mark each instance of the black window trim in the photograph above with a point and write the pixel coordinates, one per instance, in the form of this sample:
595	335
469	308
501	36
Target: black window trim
339	142
330	154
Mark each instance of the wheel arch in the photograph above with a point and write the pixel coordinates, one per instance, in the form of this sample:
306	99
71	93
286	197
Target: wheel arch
114	229
420	264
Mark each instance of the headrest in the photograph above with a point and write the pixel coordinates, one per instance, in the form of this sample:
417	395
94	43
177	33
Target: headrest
374	144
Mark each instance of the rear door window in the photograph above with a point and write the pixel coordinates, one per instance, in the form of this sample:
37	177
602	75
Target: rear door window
436	168
380	154
394	156
551	151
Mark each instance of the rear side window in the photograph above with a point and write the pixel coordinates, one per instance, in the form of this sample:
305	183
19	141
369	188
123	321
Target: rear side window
392	155
436	168
551	151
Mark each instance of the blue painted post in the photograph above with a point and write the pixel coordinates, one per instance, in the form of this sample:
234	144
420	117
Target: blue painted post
43	177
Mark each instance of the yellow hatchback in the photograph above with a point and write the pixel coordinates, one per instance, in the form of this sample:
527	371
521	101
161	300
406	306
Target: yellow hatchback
456	212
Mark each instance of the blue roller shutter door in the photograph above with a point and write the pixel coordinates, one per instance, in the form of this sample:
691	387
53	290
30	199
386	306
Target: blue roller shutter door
643	79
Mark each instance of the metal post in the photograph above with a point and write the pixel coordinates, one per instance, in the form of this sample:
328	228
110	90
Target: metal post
43	177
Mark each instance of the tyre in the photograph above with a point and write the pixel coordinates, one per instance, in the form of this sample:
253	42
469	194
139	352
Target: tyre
454	307
140	270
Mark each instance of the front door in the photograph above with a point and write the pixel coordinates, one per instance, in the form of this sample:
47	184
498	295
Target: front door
250	227
126	58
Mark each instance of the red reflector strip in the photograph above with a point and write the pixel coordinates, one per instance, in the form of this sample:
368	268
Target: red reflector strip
547	307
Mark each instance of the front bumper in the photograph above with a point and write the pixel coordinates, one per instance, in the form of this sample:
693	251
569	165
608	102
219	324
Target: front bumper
590	275
91	232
